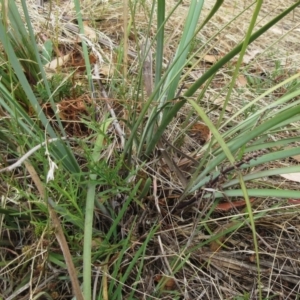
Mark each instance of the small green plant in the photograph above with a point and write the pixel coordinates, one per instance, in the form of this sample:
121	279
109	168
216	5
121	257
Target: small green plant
246	296
62	89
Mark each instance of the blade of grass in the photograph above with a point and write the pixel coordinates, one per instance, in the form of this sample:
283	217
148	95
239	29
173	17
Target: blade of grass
261	174
270	145
259	193
84	45
61	151
138	255
89	213
117	264
183	48
159	40
240	59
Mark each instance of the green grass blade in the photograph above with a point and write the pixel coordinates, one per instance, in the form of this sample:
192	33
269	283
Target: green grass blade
213	130
84	45
165	122
261	193
230	157
89	213
138	256
273	156
270	145
240	59
212	12
183	48
113	290
159	40
59	149
266	173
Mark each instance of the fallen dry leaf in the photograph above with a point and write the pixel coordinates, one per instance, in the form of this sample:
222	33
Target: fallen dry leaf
200	133
296	157
89	32
241	81
294	201
195	74
217	244
168	283
106	70
250	55
276	30
292	176
78	61
58	62
252	258
230	205
210	58
220	102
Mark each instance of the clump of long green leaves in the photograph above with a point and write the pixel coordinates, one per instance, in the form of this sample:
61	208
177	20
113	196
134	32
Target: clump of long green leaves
240	138
22	66
160	109
246	137
25	126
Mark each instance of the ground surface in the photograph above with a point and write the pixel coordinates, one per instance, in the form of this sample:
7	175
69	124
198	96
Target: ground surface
184	259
